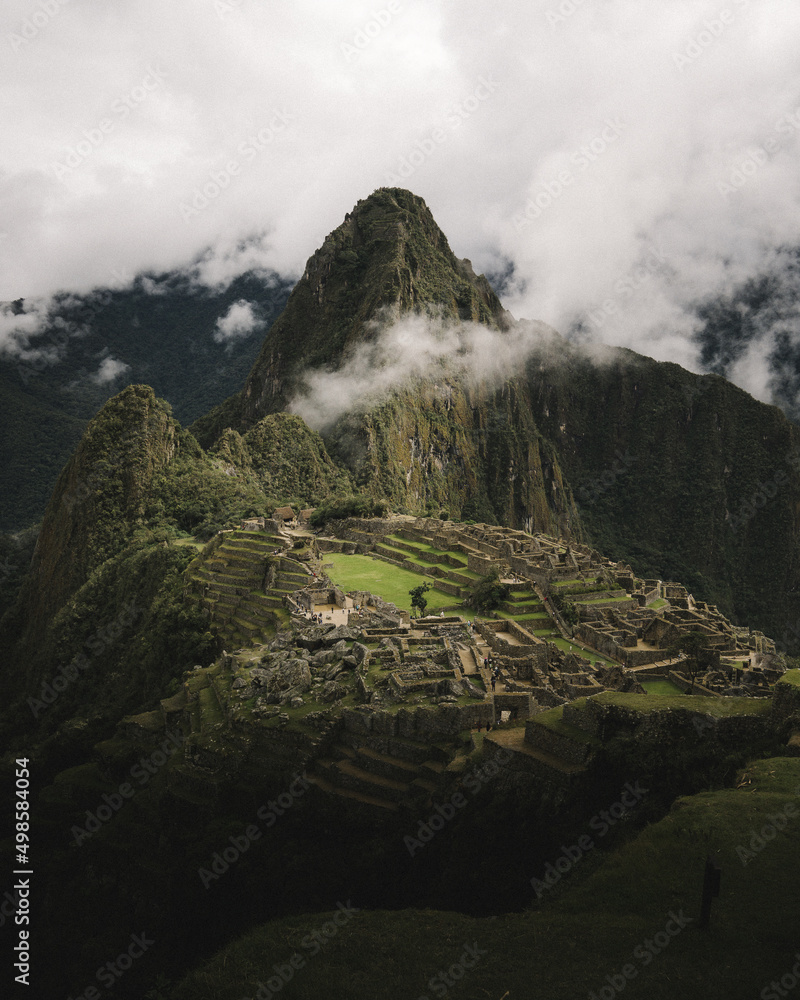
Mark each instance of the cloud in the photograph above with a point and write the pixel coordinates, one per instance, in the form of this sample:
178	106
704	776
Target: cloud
240	134
415	347
109	370
237	323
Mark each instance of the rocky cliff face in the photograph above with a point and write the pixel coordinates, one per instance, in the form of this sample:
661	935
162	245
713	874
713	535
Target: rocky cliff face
388	255
685	476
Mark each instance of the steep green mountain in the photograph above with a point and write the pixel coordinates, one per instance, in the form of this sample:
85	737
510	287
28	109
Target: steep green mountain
118	534
283	457
388	256
161	330
686	476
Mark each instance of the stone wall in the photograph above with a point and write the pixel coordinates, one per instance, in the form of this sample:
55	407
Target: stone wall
420	723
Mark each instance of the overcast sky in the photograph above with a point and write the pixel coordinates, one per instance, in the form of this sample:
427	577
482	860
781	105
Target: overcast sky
624	157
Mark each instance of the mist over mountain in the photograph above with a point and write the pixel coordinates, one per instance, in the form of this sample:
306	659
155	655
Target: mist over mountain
752	335
62	358
142	620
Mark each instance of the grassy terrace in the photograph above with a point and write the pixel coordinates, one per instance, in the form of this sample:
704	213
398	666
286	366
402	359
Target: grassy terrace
553	719
717	707
660	687
426	547
579	599
576	647
392	583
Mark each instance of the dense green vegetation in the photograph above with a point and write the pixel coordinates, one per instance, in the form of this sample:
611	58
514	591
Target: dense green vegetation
351	506
603	915
161	327
489	593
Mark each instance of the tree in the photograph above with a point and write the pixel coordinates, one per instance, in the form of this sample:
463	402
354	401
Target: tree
418	599
693	645
487	593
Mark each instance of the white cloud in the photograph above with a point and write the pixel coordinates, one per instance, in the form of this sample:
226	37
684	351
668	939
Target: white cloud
414	347
237	323
262	117
109	370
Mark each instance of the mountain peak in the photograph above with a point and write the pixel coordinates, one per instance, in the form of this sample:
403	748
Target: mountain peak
388	257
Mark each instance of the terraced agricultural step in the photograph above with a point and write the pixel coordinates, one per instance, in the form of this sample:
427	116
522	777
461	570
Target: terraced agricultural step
255	611
425	786
235	574
351	794
401	747
542	761
246	625
385	765
297	577
575	748
349	775
272	601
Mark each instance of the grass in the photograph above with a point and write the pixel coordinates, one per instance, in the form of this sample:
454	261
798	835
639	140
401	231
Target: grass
660	687
427	547
387	581
606	909
575	647
553	719
717	707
